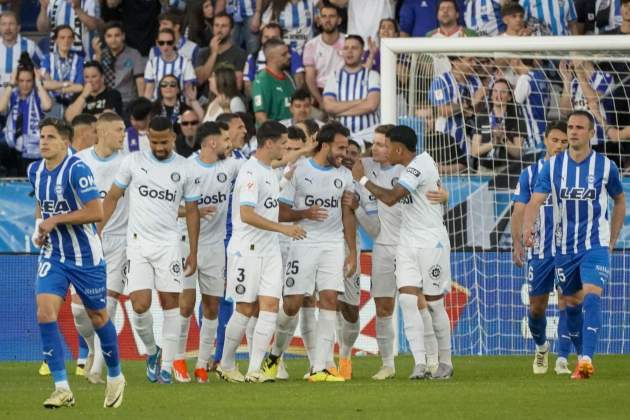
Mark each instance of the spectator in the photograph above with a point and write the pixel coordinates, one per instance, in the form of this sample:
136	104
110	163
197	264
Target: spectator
226	95
301	107
244	14
185	142
364	16
599	16
273	87
448	17
310	128
623	22
387	28
514	20
249	143
237	131
484	17
353	95
84	136
140	112
83	17
96	97
170	102
419	17
200	15
295	17
323	54
25	101
551	17
256	62
140	20
221	51
62	70
123	66
12	46
10	6
499	134
168	62
186	48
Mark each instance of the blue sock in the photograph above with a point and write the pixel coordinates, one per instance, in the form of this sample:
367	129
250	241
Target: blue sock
109	346
538	328
574	325
83	348
592	323
564	341
226	308
52	348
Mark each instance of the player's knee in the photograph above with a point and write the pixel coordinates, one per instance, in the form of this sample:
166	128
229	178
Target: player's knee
46	314
350	313
140	306
384	307
186	311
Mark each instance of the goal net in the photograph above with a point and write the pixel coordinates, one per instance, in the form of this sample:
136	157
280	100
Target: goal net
480	107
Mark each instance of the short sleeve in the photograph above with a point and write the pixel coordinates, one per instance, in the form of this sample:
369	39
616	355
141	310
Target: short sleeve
331	86
374	82
82	181
308	56
287	195
149	72
614	186
571	13
189	72
123	177
543	181
192	187
260	99
411	178
439	92
522	193
138	64
249	190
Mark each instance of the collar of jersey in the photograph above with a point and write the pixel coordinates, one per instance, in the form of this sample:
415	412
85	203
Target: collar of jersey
153	158
261	164
100	159
318	166
204	164
586	159
56	168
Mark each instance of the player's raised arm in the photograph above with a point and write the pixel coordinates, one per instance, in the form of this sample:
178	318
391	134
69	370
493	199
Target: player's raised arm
350	235
388	196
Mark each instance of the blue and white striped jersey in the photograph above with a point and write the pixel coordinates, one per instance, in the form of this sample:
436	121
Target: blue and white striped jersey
614	15
65	189
297	20
157	68
580	198
484	17
544	246
532	93
553	15
185	48
240	9
60	12
602	83
63	69
347	86
9	56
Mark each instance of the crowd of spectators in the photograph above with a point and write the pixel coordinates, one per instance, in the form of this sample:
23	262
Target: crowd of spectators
299	61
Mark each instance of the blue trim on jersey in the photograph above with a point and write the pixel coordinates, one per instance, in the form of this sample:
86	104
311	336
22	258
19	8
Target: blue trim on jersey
286	201
107	159
167	160
204	164
406	186
318	166
120	184
247	203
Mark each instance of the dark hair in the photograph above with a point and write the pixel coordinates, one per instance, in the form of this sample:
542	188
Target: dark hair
383	128
60	28
198	29
226	117
329	5
63	128
295	133
113	24
225	78
166	31
583	113
223	126
272	43
328	133
140	108
83	119
159	123
311	125
392	20
250	124
225	15
270	130
95	65
453	2
26	64
172	15
556	125
405	135
206	129
354	143
272	25
357	38
301	95
512	8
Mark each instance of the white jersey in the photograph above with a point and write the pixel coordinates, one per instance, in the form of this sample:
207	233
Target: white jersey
389	217
155	188
215	182
104	171
323	186
422	223
256	186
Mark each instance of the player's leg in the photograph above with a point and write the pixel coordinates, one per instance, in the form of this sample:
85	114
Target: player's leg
308	325
350	324
251	326
430	341
383	290
226	309
541	279
86	334
564	340
186	308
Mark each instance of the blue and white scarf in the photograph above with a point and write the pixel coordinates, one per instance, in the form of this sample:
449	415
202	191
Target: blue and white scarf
28	142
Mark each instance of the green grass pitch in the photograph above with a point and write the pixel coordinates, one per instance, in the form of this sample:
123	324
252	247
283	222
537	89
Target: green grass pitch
482	388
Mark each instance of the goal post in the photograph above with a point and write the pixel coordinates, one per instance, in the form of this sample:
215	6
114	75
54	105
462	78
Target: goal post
420	88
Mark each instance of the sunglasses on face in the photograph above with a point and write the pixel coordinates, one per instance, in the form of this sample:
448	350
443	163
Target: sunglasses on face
187	123
163	43
168	85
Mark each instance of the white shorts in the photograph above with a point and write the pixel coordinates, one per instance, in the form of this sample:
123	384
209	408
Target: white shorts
250	276
154	266
383	282
426	268
352	285
114	250
211	269
310	268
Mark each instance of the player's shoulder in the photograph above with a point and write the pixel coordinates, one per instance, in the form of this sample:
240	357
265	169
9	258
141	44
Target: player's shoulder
33	168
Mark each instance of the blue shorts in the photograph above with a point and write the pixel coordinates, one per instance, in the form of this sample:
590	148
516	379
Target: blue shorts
541	276
90	282
589	267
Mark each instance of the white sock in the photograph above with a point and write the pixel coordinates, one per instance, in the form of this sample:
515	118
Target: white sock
414	329
308	324
99	361
265	327
206	341
325	338
285	328
143	325
349	335
430	342
83	324
171	329
442	328
385	337
234	333
338	329
112	304
249	333
183	337
62	385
